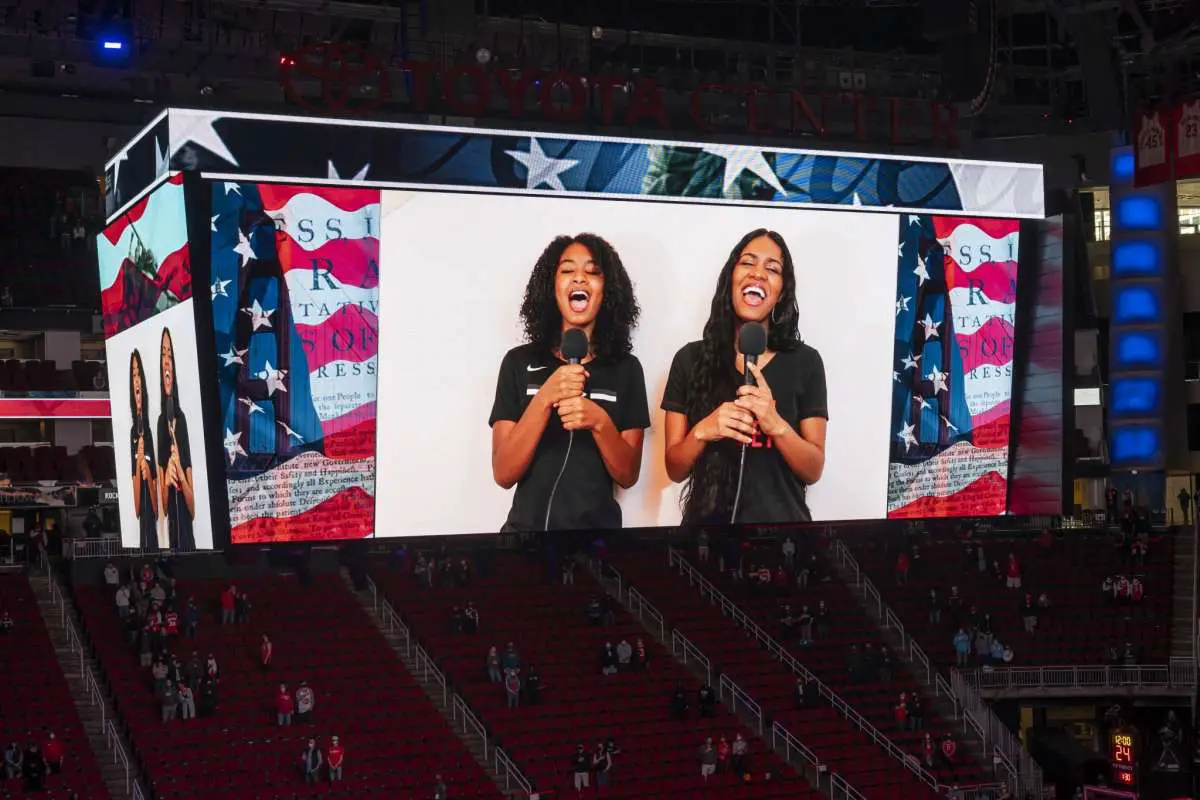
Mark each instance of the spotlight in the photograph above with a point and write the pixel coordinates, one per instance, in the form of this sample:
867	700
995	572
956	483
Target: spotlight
483	55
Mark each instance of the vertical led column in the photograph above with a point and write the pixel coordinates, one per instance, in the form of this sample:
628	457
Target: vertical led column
1145	322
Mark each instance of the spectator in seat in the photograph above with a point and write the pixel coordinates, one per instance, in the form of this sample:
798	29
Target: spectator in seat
1012	572
787	623
640	659
679	703
739	759
243	608
208	698
1108	588
228	605
191	618
493	666
6	621
916	714
1129	658
54	754
609	608
122	600
1029	613
702	547
822	621
145	644
310	762
470	618
723	755
211	670
337	759
949	754
985	625
1008	654
981	563
902	567
170	702
568	572
306	701
511	659
789	553
512	686
708	759
284	706
624	655
594	612
533	686
457	620
962	648
170	623
159	673
929	751
187	702
983	647
706	701
266	650
14	760
995	655
112	577
900	712
1136	592
580	769
439	788
806	626
34	769
601	765
801	694
608	660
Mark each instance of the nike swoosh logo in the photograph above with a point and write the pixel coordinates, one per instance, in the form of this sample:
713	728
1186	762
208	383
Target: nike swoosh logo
535	369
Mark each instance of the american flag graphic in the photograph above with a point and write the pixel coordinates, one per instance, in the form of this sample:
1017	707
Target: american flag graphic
143	259
295	310
952	386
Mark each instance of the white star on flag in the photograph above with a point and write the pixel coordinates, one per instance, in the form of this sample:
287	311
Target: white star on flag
218	288
233	447
274	378
902	304
540	168
931	327
259	317
938	378
895	376
212	226
233	357
252	406
906	435
913	219
244	249
232	188
856	200
161	163
911	361
196	127
920	401
921	273
741	158
949	425
117	161
358	176
290	433
900	250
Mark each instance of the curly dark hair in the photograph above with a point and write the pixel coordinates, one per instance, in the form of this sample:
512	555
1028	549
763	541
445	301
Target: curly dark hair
612	336
162	390
141	421
715	379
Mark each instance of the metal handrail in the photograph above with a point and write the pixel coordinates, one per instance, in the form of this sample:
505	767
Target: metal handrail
424	663
943	689
683	646
111	548
1178	673
792	744
637	604
839	789
778	651
506	769
118	750
736	699
968	700
461	712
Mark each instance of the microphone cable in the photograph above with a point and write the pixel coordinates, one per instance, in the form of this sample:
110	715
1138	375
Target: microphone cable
558	478
574	349
737	496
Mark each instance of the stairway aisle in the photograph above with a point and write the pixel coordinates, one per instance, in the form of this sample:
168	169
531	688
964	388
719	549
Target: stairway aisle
95	707
1183	603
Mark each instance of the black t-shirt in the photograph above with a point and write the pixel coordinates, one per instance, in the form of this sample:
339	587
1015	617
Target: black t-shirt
147	521
584	498
179	521
771	492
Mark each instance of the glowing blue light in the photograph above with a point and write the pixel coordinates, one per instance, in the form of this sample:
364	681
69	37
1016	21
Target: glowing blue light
1135	305
1132	259
1138	212
1136	349
1122	165
1136	444
1134	396
113	44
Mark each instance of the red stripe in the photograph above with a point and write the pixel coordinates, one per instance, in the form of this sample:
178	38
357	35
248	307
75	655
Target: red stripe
347	515
349	334
997	280
983	497
350	262
990	345
992	434
62	408
995	228
990	415
274	197
350	436
117	226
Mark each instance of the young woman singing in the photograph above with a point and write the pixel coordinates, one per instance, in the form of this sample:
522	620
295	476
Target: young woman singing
174	455
141	448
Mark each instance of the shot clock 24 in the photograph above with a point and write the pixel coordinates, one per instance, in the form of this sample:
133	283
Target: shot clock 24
1123	756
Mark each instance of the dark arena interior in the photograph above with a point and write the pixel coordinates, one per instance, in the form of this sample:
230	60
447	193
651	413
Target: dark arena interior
448	399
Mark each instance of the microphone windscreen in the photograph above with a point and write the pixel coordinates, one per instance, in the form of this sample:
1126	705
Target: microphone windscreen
574	345
752	339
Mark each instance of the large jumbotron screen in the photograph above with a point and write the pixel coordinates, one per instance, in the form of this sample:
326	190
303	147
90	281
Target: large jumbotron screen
387	346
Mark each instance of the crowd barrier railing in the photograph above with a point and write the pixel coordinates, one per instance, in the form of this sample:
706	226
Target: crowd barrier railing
1179	673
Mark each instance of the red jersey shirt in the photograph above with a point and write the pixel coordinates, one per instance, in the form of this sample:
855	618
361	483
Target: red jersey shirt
336	754
227	600
267	650
949	749
283	703
171	621
53	751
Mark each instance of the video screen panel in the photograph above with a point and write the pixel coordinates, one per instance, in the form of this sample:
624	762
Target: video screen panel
295	303
890	345
153	374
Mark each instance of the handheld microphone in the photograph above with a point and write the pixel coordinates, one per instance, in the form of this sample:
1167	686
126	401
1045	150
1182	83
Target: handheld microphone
574	348
752	343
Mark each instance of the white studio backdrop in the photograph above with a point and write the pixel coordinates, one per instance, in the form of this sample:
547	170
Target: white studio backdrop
146	337
452	276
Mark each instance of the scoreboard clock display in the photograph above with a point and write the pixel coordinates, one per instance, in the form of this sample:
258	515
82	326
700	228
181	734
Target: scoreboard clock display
1123	757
